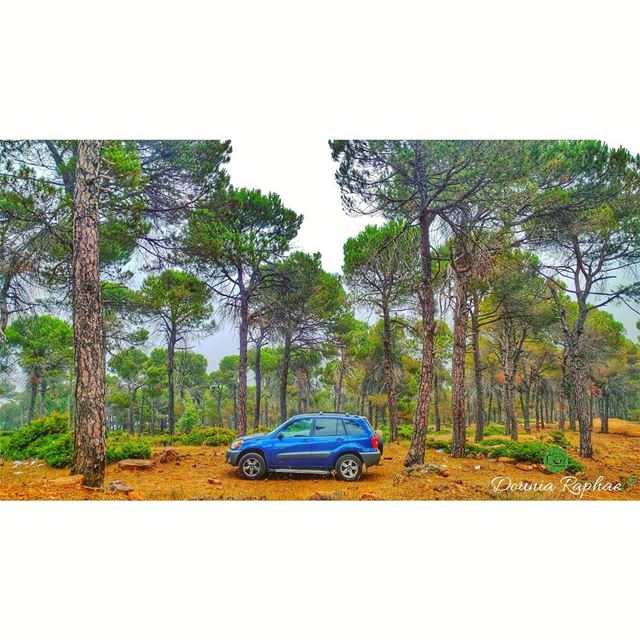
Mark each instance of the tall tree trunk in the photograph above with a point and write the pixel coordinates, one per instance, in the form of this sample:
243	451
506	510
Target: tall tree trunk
436	403
35	381
43	397
490	402
526	401
460	314
427	304
604	420
235	407
481	419
171	356
510	404
242	365
4	302
132	406
341	372
284	376
258	374
392	399
141	411
90	409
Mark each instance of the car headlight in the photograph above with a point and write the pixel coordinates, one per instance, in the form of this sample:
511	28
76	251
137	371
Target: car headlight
236	443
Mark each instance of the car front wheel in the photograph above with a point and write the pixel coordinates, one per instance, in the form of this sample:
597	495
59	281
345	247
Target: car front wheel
252	466
349	468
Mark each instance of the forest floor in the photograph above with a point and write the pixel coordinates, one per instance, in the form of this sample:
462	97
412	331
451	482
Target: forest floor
201	473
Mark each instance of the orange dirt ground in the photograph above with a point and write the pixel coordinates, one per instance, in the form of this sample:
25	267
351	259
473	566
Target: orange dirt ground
617	457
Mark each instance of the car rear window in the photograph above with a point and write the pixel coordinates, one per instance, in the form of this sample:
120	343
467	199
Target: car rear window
326	427
353	428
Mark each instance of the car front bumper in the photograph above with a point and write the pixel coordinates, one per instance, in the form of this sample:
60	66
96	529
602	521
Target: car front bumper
232	456
370	457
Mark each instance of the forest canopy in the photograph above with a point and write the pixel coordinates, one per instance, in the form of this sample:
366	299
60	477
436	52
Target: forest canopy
480	298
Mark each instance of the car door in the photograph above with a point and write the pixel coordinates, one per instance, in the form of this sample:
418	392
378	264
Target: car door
328	436
291	446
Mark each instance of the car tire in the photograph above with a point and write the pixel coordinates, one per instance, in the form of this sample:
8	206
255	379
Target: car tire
349	468
252	466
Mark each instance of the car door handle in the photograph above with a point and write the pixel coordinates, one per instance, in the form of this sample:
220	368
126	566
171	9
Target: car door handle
339	439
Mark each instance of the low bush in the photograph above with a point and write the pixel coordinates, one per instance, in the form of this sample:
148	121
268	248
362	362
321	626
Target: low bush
261	428
634	415
405	431
525	451
57	450
493	429
26	442
127	447
558	438
50	439
212	437
432	443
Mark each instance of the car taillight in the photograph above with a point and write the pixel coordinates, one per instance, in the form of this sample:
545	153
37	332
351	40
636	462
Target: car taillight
374	441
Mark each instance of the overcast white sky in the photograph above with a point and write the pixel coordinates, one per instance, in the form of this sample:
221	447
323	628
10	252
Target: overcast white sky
302	172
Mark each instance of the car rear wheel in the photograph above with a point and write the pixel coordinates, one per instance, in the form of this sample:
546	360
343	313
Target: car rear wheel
349	468
252	466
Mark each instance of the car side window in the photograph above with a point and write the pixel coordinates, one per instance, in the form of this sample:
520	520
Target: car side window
298	428
326	427
353	428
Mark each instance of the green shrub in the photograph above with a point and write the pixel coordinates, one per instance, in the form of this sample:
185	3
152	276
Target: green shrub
432	443
634	415
51	440
212	437
405	431
124	448
493	429
558	438
25	443
57	450
526	451
261	428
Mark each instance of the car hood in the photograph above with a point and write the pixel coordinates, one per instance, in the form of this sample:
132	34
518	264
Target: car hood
252	436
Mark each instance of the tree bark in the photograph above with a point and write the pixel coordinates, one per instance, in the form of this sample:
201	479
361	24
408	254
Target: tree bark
481	419
171	355
604	420
34	396
284	376
132	405
460	314
242	365
392	399
436	403
43	397
427	304
258	374
526	400
90	409
341	372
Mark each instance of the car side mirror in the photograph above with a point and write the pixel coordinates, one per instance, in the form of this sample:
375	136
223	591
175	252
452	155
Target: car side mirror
280	435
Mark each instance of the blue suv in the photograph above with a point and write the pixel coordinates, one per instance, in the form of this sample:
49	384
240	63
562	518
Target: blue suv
311	443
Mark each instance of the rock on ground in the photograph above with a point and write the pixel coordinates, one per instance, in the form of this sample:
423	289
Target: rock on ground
119	486
327	495
418	471
169	454
136	465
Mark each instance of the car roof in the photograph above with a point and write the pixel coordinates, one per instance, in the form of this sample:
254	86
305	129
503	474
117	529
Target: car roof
328	414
